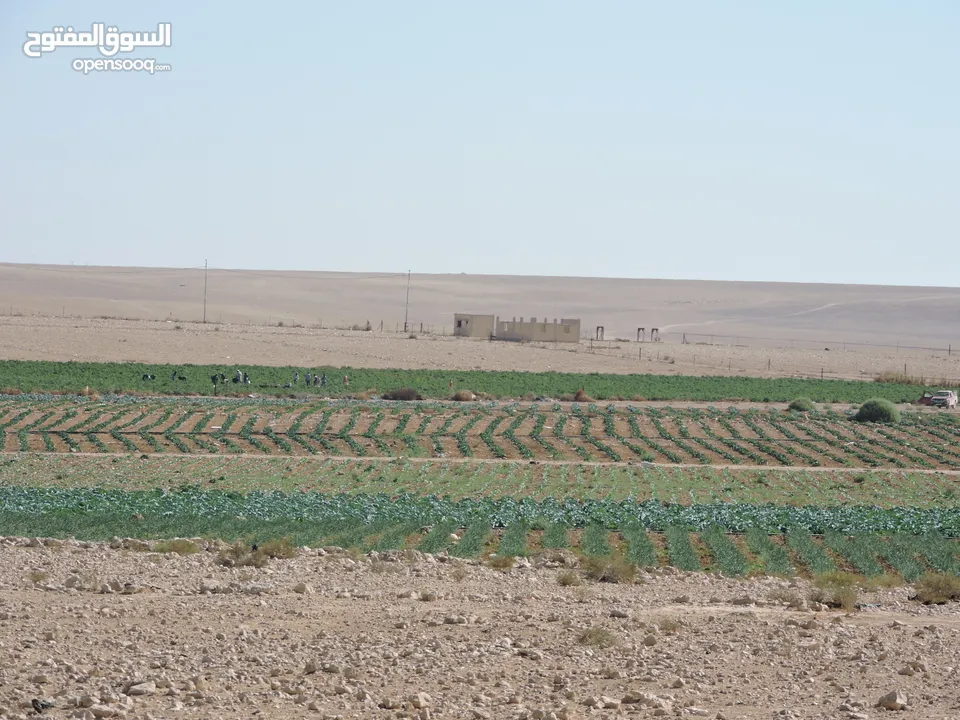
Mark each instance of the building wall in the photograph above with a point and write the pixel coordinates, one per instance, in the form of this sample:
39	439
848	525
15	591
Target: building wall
466	325
567	330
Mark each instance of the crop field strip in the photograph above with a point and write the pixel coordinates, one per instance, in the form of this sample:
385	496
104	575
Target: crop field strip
41	376
821	487
735	541
550	431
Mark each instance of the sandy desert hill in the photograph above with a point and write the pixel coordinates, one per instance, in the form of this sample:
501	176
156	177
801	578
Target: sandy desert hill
809	314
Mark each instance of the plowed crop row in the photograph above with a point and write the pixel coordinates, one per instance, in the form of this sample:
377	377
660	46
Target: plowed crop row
547	432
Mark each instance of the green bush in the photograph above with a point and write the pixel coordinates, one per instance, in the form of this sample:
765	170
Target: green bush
802	404
878	410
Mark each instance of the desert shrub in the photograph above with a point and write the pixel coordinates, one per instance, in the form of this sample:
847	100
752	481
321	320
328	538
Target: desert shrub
501	562
459	573
612	569
878	410
403	394
569	578
38	576
598	637
180	547
669	625
836	589
281	549
581	396
937	588
240	554
801	404
463	396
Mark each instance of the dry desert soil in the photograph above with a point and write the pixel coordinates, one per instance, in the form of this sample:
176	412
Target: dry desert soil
100	631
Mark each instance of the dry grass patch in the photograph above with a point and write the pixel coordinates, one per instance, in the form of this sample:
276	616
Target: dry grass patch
614	569
669	625
937	589
883	582
598	637
501	562
241	554
836	589
463	396
179	547
569	578
459	573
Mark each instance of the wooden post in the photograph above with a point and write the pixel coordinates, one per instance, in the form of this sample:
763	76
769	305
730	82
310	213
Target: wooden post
768	363
640	354
821	373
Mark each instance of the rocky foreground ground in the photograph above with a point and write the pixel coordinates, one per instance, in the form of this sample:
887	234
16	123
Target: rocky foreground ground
101	631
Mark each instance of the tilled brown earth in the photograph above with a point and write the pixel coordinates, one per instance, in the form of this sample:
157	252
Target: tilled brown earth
103	632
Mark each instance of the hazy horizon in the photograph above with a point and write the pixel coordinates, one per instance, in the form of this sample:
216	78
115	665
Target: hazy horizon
383	274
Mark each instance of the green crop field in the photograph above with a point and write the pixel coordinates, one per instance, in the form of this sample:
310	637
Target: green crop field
717	488
40	376
460	480
775	539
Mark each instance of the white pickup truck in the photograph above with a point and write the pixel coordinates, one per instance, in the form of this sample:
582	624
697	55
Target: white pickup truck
945	399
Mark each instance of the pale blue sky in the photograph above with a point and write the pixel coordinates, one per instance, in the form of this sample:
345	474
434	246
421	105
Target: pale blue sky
808	141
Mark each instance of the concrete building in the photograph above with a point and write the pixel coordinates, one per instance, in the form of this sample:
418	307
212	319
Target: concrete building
466	325
567	330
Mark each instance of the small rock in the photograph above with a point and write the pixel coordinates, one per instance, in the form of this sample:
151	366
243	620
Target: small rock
893	700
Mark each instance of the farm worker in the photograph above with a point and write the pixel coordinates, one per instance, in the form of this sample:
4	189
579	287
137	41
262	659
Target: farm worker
451	385
323	380
346	380
309	378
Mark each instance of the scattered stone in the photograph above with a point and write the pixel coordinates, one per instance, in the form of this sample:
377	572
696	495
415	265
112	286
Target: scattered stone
893	700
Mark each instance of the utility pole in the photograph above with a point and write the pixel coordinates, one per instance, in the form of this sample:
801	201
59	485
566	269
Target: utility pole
406	309
204	290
